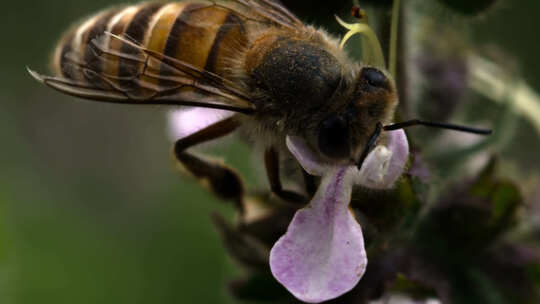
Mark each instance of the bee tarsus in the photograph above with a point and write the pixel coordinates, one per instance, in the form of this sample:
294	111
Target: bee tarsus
271	161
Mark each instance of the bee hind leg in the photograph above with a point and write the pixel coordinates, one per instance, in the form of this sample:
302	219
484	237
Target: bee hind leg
222	180
271	161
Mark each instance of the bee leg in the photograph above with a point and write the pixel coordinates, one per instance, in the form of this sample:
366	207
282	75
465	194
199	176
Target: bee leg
309	182
222	180
271	161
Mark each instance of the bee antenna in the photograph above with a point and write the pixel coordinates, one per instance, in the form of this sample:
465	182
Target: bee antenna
371	142
417	122
414	122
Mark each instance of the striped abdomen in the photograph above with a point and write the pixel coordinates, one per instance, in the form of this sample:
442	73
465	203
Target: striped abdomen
200	34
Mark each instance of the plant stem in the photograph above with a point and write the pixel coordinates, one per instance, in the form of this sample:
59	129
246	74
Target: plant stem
394	37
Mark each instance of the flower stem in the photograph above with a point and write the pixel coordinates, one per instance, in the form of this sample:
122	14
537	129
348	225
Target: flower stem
394	38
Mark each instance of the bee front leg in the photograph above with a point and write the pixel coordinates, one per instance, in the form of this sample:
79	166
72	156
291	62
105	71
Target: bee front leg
309	182
271	161
222	180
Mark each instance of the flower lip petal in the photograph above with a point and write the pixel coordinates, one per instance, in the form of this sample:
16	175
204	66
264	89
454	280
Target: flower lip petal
322	255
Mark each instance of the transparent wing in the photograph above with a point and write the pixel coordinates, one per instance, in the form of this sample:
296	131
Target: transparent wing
148	77
270	10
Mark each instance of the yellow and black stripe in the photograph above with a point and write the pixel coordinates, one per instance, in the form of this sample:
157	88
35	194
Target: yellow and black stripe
197	33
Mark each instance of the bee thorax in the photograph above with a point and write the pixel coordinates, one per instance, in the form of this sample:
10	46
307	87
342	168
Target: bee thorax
294	73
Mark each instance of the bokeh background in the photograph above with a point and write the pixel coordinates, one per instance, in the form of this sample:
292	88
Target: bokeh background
91	210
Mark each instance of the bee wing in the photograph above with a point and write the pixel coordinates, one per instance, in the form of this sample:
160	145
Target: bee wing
149	78
273	11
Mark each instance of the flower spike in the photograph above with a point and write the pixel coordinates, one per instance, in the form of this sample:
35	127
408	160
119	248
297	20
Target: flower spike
322	254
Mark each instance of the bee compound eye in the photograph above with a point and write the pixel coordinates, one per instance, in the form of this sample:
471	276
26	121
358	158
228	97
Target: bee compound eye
334	137
374	77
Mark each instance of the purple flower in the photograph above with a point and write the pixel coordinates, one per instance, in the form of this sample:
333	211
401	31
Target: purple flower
322	255
187	121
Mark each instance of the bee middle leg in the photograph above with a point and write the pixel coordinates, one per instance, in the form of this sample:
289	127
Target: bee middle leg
222	180
271	161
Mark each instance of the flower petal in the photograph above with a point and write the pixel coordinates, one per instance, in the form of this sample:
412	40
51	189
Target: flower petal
187	121
384	165
322	254
305	156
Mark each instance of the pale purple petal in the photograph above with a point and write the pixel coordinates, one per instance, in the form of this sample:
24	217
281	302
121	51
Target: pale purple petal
322	254
187	121
305	156
398	144
385	164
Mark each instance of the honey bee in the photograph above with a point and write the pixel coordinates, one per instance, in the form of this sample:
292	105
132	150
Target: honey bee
253	58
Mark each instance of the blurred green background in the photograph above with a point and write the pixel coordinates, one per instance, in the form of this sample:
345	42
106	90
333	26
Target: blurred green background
91	210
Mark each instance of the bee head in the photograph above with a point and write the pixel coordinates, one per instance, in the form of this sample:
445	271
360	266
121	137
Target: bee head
343	135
